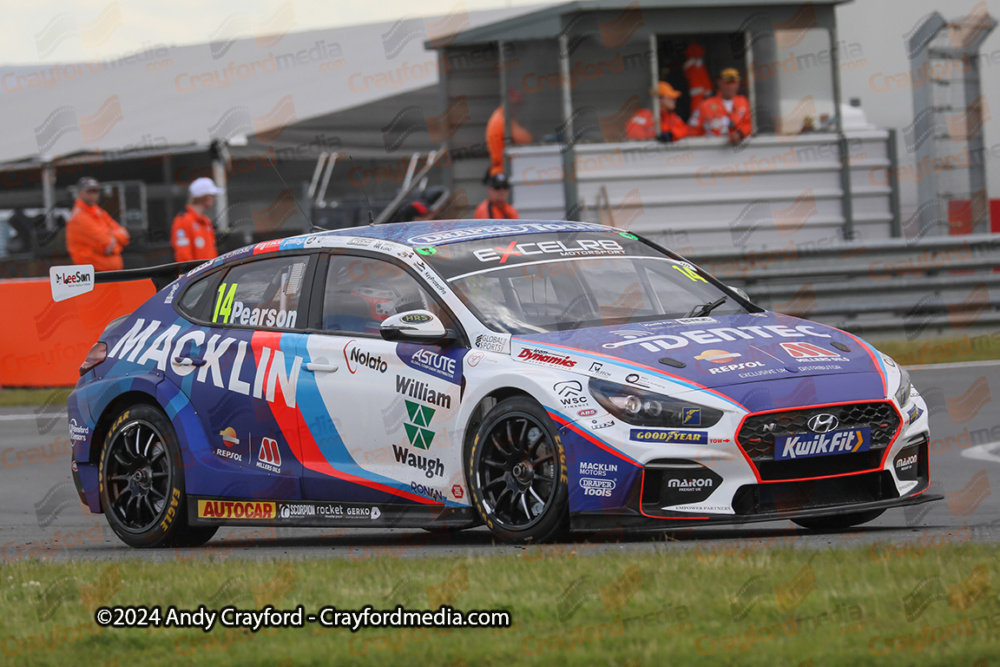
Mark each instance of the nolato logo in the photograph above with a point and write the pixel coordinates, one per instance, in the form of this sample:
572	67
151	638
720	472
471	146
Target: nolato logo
685	437
355	359
597	487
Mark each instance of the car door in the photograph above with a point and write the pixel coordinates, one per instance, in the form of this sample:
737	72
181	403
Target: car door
241	373
381	415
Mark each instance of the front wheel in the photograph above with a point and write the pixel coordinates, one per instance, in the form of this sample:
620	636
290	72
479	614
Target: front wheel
142	482
517	473
840	521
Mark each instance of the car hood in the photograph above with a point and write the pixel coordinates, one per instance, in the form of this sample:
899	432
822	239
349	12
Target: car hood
761	360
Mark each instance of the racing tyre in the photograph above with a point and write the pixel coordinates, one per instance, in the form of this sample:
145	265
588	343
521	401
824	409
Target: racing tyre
518	475
142	482
839	522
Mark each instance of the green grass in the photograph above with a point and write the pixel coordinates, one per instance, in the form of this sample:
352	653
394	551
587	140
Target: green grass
568	607
979	347
12	396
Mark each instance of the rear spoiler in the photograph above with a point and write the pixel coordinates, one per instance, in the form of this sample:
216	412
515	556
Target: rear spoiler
70	281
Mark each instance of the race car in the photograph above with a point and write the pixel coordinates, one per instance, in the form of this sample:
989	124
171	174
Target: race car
533	376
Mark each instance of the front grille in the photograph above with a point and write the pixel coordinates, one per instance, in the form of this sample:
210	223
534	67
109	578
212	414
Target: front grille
754	499
757	438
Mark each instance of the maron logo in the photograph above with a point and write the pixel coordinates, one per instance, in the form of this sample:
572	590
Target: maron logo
906	463
693	483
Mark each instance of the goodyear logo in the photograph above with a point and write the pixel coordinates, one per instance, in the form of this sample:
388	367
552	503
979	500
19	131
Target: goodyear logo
691	416
660	435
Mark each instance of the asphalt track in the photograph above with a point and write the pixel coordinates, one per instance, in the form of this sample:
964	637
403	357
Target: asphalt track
41	516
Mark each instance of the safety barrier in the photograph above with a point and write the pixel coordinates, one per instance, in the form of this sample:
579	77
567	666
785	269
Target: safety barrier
932	286
43	343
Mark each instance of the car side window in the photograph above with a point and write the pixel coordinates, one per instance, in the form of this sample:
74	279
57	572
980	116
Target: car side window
197	302
361	292
264	294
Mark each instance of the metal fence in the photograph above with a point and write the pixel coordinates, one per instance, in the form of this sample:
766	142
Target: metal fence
889	288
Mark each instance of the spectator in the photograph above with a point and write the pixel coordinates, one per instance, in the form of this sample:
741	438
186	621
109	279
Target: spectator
725	114
93	236
671	128
192	235
495	206
699	82
495	131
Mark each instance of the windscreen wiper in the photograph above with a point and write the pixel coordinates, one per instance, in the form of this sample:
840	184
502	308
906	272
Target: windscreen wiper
703	309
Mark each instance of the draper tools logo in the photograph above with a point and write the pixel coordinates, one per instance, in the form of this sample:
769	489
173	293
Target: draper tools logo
419	418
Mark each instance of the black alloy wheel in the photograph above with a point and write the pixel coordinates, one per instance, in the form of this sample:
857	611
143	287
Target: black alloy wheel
142	482
518	473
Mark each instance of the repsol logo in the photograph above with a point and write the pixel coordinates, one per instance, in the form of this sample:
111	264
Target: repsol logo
693	483
597	487
357	359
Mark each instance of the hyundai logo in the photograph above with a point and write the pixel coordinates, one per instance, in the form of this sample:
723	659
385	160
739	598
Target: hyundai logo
823	423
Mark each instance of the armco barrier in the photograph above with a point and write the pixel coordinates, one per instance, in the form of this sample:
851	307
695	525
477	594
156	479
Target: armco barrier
43	343
890	288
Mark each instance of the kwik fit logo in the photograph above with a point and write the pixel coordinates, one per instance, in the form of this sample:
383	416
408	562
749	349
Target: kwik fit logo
419	417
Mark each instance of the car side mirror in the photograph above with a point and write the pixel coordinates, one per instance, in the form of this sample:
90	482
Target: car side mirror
415	326
742	293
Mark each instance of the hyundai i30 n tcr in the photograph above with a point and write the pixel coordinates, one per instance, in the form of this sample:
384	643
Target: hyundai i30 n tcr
534	377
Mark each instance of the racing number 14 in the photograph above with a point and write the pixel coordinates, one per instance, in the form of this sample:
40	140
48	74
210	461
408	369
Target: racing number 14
689	272
224	303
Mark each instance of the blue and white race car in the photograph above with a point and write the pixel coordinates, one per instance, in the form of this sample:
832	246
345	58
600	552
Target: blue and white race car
531	376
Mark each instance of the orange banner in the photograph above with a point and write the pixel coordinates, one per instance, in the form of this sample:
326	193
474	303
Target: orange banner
43	343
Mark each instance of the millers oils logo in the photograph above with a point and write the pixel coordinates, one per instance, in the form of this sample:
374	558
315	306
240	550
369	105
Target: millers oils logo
235	509
269	457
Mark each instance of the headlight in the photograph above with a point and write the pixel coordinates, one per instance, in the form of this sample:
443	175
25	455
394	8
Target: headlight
905	387
644	408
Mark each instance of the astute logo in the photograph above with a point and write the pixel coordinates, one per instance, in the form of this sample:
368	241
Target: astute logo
355	359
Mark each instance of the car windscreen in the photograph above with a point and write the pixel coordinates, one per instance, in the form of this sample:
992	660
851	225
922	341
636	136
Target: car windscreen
555	282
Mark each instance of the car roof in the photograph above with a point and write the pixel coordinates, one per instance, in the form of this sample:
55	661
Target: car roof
440	232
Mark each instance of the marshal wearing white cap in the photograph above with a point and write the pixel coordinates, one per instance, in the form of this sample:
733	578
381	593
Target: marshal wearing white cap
192	235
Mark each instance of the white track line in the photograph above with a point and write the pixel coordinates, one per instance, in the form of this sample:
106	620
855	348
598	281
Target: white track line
40	415
984	452
957	364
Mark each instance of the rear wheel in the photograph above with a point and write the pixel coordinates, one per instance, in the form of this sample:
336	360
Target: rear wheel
517	473
840	521
142	482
